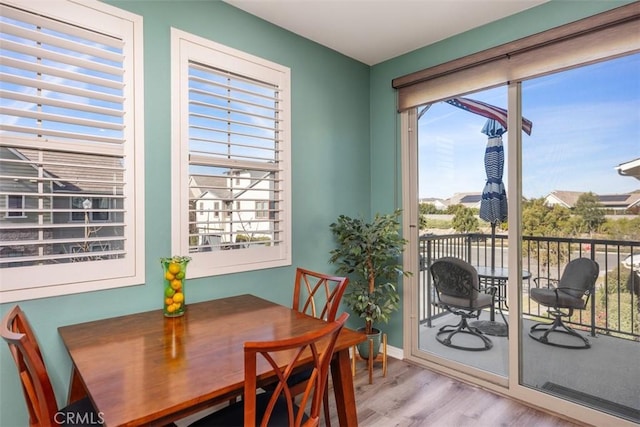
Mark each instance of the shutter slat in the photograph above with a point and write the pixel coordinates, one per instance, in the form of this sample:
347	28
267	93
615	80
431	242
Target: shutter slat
74	165
230	100
24	143
58	195
54	102
236	78
62	58
58	257
58	179
234	163
60	118
67	241
51	226
52	133
62	89
232	110
217	142
62	73
241	134
59	26
41	37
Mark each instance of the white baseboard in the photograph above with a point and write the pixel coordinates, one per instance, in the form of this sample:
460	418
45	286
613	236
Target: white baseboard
395	352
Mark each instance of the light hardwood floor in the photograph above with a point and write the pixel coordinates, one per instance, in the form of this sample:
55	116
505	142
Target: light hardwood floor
414	396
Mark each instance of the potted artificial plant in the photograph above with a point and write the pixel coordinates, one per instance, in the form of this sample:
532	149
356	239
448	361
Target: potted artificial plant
368	253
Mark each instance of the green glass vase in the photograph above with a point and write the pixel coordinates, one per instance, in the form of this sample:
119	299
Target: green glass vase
174	271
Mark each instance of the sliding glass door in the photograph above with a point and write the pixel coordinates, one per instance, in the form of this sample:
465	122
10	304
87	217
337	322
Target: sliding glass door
572	176
578	202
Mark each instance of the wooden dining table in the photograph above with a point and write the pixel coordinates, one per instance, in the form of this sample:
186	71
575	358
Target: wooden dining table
147	369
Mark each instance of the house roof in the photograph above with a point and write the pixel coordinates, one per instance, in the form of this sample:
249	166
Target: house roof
569	199
630	168
71	172
218	186
200	185
471	200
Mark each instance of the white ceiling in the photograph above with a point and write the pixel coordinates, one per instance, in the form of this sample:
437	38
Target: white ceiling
373	31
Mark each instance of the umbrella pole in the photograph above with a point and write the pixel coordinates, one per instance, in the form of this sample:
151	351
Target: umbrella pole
493	245
493	264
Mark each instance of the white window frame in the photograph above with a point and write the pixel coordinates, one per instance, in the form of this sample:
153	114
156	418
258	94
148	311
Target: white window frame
38	281
187	47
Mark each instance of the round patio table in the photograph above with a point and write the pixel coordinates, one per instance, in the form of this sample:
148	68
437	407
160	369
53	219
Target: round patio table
495	279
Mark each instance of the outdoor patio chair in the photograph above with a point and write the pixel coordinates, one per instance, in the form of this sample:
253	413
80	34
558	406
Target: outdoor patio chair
457	288
577	281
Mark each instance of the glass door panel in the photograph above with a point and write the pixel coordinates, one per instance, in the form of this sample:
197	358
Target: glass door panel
581	199
461	156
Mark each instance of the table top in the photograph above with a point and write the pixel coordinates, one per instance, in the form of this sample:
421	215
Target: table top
144	367
499	273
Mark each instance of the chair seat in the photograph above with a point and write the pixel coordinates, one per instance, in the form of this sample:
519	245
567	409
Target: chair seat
483	300
233	415
80	413
548	297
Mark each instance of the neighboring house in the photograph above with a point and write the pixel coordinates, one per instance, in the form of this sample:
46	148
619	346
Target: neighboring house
226	208
440	204
83	211
630	168
615	202
468	200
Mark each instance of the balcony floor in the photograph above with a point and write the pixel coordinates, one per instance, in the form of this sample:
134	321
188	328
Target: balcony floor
605	376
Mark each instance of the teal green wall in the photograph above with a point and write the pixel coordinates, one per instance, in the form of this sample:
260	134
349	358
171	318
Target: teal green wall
330	158
345	157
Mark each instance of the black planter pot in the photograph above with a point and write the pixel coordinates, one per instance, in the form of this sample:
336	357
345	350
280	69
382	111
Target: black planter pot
363	347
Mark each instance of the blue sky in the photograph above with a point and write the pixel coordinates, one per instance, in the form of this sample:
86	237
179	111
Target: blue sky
586	121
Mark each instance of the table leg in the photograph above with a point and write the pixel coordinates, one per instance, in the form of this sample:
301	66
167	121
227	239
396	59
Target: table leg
76	387
343	388
496	289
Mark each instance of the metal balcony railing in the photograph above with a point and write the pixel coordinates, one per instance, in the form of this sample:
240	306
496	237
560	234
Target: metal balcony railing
614	307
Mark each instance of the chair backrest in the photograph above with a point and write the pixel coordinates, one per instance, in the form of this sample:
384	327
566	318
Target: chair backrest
579	277
319	345
36	385
454	277
318	294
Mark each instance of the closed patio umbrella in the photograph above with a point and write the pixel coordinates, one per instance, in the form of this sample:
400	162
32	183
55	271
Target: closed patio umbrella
493	206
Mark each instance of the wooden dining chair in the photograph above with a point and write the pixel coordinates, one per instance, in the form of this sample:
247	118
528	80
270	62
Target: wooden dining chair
277	408
36	385
318	294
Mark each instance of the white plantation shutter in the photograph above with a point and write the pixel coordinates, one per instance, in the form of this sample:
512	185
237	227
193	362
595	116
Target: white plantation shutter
67	148
234	151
